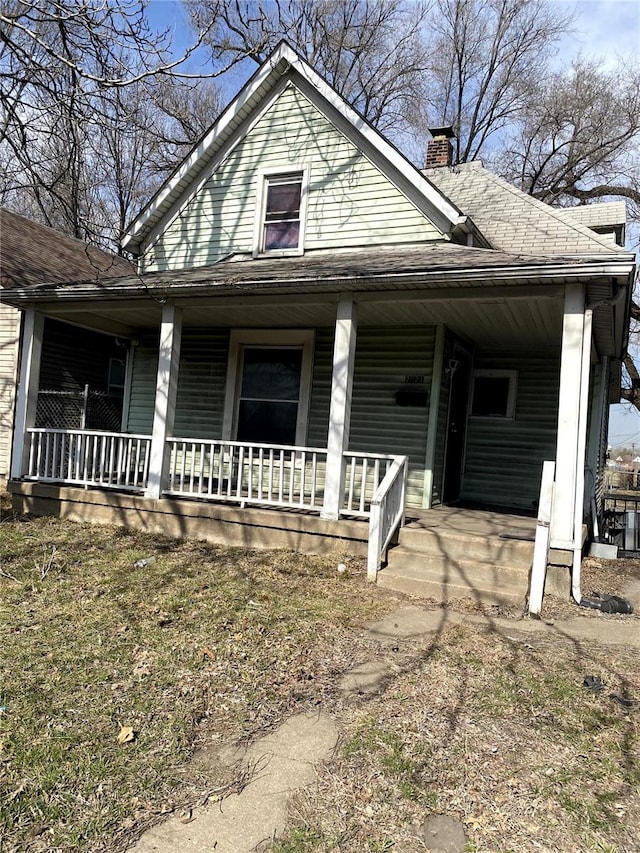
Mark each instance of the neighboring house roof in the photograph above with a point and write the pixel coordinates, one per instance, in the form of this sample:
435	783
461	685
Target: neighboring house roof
512	220
31	253
284	65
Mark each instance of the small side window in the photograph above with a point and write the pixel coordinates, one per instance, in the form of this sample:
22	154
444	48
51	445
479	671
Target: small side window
494	393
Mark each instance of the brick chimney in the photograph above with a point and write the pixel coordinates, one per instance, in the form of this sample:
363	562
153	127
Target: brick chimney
440	148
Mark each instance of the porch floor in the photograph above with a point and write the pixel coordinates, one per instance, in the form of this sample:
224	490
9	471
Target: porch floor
475	522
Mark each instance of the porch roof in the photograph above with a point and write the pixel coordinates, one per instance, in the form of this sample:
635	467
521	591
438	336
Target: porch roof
397	268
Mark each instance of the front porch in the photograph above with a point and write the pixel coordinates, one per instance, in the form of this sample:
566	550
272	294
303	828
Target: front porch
208	487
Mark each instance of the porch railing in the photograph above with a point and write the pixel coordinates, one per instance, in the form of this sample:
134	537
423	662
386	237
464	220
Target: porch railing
89	458
274	475
238	472
386	514
364	474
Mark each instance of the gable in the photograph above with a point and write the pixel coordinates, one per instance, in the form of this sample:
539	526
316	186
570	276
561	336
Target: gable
350	202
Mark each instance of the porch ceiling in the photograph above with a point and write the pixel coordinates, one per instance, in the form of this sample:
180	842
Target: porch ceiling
526	321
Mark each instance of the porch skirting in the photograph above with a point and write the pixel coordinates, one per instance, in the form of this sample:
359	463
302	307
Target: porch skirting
219	524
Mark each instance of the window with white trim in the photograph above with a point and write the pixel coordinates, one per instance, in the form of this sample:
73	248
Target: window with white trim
280	215
494	393
268	386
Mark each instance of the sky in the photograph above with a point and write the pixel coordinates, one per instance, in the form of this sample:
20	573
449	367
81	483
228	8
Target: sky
604	29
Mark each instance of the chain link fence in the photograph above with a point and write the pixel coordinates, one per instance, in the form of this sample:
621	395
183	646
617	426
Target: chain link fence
79	410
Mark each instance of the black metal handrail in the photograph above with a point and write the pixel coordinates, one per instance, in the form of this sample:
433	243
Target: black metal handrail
621	517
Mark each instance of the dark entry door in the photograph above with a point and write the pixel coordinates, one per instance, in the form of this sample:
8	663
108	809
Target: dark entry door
459	374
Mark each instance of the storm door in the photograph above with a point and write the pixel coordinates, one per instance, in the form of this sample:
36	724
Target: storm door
459	374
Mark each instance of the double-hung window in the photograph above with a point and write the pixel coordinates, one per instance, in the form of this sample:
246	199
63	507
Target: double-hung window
280	222
268	386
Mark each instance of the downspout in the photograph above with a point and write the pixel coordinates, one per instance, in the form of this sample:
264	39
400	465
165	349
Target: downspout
580	455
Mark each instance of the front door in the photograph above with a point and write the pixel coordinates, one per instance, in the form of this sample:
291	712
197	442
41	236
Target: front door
459	374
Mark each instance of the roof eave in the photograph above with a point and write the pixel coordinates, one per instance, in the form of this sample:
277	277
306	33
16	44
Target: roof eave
22	297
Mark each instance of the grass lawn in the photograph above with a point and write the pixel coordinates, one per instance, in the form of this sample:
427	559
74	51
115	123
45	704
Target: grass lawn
113	676
207	644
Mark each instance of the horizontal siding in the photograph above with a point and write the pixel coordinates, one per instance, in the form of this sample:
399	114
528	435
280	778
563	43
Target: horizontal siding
443	419
9	335
143	385
349	203
201	383
384	357
503	463
321	389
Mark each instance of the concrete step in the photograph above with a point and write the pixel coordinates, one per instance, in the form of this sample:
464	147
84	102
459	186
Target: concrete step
466	546
444	578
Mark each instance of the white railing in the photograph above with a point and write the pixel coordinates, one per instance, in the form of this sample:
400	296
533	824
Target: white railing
274	475
387	513
364	474
89	458
233	471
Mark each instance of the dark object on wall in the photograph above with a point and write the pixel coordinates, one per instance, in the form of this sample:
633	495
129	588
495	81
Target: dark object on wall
412	396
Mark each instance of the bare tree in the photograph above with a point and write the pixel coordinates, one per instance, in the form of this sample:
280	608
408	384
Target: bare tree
580	138
372	52
486	58
92	110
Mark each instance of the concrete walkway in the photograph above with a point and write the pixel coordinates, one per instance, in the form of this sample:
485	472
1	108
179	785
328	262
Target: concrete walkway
285	759
278	764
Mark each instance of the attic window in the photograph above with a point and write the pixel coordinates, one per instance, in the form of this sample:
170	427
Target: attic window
281	222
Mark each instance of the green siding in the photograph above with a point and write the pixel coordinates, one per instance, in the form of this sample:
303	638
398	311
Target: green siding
384	357
503	463
443	418
143	385
350	202
321	389
201	383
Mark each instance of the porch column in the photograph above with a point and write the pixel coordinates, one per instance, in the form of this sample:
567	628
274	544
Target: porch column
344	355
27	393
434	411
166	391
569	461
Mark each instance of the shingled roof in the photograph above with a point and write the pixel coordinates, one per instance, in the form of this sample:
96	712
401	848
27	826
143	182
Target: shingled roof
510	219
31	253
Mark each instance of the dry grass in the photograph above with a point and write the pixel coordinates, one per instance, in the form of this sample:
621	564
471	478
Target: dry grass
496	731
209	645
206	645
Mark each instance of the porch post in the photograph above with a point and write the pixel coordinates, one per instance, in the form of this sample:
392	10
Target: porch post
166	391
344	355
568	459
434	411
27	394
